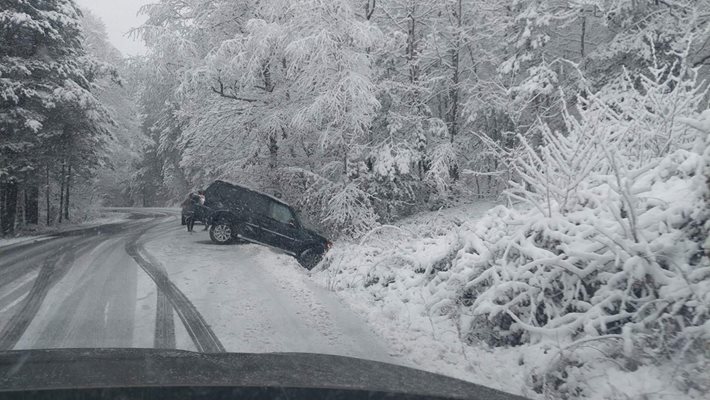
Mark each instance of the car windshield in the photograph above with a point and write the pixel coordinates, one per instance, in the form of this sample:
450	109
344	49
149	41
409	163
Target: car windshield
512	193
282	213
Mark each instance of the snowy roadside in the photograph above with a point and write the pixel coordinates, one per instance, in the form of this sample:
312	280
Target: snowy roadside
23	239
36	234
381	278
388	278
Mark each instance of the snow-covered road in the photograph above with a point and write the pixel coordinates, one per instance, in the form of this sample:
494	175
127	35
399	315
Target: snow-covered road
149	283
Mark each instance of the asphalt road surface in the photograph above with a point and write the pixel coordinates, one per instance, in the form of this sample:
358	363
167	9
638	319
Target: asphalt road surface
147	283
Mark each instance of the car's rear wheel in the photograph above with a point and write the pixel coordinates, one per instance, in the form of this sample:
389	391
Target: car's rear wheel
310	258
222	232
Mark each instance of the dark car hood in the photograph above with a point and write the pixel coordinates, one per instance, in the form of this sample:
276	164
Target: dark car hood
106	368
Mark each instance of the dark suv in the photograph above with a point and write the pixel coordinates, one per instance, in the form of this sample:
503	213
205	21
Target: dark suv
239	213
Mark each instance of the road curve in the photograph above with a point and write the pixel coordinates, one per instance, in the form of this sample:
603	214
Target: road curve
78	289
146	282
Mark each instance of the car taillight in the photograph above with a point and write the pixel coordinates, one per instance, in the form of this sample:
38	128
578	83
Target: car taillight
328	245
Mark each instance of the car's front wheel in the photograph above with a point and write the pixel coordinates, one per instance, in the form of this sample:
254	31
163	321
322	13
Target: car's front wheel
310	258
222	232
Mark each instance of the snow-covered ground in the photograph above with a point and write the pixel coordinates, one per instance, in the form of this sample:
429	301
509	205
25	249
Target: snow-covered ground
399	311
257	300
22	239
35	234
385	277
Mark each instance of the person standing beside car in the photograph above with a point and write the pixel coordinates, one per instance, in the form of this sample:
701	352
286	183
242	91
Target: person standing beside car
193	204
202	212
194	209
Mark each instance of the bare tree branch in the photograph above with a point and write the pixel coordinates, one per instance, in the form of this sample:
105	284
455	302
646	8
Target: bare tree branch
222	93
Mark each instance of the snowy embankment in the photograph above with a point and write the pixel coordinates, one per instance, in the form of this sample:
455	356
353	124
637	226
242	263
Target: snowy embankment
596	286
387	278
21	239
407	280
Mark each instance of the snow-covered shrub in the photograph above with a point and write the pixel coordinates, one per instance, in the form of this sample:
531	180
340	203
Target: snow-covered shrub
601	271
341	209
609	243
349	210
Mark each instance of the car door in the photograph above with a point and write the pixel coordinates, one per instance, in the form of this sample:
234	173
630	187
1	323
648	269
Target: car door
280	227
253	210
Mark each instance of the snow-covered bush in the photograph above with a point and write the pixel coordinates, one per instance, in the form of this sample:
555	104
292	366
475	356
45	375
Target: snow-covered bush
610	241
603	263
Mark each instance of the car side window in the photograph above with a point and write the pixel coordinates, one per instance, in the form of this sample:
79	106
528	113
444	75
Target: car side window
257	204
281	213
233	197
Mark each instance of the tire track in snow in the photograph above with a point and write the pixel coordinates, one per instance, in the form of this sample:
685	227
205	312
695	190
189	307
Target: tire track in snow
164	337
164	323
49	274
14	263
171	298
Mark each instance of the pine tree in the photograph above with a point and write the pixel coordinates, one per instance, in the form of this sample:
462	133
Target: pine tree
48	116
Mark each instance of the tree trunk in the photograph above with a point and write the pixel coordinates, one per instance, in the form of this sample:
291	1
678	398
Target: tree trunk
2	205
454	91
62	179
47	196
21	201
273	159
66	197
370	8
9	207
32	204
273	152
583	38
455	78
412	46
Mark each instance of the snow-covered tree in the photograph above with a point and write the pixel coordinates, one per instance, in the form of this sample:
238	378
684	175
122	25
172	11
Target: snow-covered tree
286	87
52	125
116	91
611	245
416	103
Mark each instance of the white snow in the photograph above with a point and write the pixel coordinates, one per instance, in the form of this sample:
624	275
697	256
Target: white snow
22	239
400	311
257	300
403	278
108	216
76	313
145	309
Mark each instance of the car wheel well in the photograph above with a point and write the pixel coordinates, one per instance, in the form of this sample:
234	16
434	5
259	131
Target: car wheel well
312	246
310	259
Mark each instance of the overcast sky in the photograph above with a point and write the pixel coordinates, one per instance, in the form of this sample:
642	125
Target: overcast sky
119	17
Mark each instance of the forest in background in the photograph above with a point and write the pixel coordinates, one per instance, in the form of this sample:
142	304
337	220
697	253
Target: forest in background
361	112
358	112
70	136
